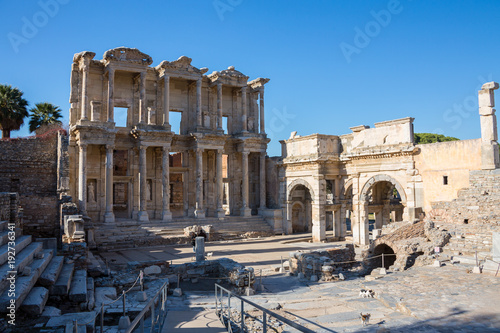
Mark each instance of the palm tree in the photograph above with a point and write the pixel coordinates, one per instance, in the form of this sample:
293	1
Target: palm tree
13	109
44	114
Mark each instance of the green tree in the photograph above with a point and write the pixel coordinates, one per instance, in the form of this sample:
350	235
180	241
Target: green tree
421	138
44	114
13	109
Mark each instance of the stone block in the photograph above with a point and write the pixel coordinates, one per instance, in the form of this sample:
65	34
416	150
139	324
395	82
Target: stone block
496	246
477	270
152	270
177	292
78	290
34	303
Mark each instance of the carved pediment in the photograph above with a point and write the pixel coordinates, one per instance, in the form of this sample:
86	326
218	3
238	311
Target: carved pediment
183	64
229	76
83	55
127	54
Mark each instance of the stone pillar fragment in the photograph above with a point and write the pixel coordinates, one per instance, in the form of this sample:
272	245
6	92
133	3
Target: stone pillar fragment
199	212
244	108
143	212
245	211
111	90
262	186
85	74
219	186
109	215
363	223
142	98
489	136
342	218
219	106
82	179
200	248
166	214
166	100
262	123
198	103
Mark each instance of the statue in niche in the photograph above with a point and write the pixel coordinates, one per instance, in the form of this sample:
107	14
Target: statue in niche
91	192
148	192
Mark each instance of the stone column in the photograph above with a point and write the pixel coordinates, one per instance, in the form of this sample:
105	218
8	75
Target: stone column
219	106
337	222
489	136
109	216
244	108
363	223
199	212
245	211
85	73
262	186
143	211
262	124
111	90
386	212
198	103
82	179
342	218
166	100
219	186
318	222
166	214
142	98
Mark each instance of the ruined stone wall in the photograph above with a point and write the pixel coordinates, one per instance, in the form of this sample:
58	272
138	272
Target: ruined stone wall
30	167
453	160
473	216
4	206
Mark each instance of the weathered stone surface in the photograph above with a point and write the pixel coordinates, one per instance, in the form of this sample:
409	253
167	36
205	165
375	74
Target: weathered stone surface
34	303
63	283
152	270
51	273
78	290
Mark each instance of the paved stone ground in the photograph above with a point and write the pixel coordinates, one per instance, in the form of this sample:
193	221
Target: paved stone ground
421	299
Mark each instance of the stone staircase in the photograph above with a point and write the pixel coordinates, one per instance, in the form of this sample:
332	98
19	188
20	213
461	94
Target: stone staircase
130	233
35	272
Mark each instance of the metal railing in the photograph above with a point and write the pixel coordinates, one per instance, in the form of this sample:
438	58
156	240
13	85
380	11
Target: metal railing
157	309
234	321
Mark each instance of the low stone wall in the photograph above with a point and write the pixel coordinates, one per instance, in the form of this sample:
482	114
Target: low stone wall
315	262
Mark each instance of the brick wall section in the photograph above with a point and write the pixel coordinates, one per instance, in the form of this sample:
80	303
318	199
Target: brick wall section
29	166
9	208
4	206
473	216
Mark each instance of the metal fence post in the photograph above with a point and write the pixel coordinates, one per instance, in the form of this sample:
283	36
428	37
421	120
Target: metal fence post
264	322
229	306
383	260
152	316
242	324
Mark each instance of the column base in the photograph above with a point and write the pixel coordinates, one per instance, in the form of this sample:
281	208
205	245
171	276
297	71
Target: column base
220	213
143	216
246	212
166	215
199	214
109	217
262	211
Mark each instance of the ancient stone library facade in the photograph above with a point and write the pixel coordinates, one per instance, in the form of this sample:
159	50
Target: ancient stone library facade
129	160
159	144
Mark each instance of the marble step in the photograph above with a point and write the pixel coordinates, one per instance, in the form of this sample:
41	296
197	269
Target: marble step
78	289
51	273
21	243
35	302
61	287
23	259
24	284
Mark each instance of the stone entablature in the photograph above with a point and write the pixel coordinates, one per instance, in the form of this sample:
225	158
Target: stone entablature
139	166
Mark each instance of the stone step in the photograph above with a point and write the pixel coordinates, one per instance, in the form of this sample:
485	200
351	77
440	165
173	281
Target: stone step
61	287
23	259
21	243
35	302
4	225
51	273
78	290
24	284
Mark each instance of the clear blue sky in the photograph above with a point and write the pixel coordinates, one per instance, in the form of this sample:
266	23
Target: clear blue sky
332	65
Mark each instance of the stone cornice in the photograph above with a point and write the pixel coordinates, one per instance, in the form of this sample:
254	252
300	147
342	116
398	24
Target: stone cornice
126	54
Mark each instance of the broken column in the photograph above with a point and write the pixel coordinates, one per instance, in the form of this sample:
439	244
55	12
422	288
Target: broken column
489	136
200	249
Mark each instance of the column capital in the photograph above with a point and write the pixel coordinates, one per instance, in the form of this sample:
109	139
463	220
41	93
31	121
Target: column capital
82	145
143	147
166	149
199	150
166	77
220	151
245	152
109	146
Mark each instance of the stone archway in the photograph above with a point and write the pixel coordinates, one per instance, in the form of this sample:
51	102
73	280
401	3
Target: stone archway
380	195
299	206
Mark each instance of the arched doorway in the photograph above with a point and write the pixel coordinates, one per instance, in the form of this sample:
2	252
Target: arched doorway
389	256
301	217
